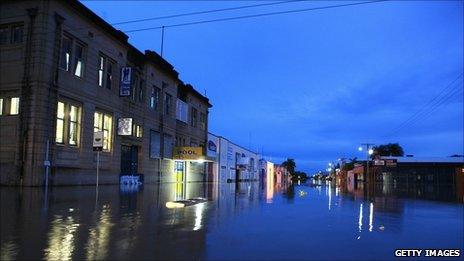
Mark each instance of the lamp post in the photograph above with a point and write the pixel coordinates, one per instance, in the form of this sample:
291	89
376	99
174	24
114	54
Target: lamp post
370	151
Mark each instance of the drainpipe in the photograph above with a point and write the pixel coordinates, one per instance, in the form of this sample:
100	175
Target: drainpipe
25	100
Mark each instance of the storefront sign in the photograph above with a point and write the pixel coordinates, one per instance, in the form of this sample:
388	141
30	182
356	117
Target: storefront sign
125	126
188	153
125	82
390	162
379	163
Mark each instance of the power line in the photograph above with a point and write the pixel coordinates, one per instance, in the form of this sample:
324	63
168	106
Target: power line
253	16
204	12
430	106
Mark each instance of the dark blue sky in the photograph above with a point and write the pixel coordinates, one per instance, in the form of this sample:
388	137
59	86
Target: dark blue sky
314	85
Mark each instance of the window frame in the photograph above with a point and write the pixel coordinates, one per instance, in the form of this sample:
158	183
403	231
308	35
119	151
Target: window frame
107	129
68	123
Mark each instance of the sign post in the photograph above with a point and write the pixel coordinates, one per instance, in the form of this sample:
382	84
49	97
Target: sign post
98	146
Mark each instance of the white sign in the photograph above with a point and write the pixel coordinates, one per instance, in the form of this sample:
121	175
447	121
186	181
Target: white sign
125	126
98	140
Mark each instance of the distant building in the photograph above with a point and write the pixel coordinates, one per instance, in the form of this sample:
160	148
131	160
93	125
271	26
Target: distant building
229	161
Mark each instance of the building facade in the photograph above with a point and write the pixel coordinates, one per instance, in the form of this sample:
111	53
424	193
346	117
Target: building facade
65	74
230	162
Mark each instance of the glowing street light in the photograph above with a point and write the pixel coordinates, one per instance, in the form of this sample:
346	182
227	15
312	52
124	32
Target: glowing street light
360	148
371	151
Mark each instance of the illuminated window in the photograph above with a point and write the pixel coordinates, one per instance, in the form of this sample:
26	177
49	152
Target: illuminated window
137	131
104	122
1	106
101	71
78	60
60	123
67	123
14	106
73	125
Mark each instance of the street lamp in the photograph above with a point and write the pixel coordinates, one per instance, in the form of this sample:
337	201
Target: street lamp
371	151
360	148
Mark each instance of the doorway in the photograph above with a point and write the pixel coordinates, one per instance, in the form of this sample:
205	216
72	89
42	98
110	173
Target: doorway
129	160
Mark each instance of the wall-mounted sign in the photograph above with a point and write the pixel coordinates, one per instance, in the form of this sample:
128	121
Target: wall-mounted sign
211	146
98	141
390	162
379	163
188	153
125	126
125	82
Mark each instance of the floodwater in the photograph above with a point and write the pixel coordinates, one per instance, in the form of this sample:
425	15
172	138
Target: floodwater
251	221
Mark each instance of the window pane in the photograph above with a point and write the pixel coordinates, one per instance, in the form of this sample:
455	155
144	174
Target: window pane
155	144
100	71
109	75
73	113
1	106
98	121
60	110
4	35
14	106
17	34
59	130
79	60
73	128
167	146
65	53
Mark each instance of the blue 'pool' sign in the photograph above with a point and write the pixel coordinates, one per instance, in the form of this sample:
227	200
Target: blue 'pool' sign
125	82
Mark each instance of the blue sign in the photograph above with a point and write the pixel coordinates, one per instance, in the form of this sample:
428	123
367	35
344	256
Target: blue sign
125	82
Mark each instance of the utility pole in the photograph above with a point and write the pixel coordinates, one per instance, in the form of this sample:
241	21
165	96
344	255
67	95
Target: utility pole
162	40
369	151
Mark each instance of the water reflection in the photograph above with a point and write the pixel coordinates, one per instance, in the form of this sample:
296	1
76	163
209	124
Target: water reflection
133	223
61	238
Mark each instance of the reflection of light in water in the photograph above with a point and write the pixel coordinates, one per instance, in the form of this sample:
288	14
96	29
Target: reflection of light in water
371	216
269	187
8	250
199	208
360	217
61	239
337	191
330	195
97	246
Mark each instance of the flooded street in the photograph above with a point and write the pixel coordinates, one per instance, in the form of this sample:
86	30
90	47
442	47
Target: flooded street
251	221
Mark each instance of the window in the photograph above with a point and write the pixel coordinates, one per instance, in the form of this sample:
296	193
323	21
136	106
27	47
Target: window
182	111
14	106
1	106
167	104
193	122
134	87
154	98
167	146
60	123
73	125
141	87
202	121
105	72
101	70
4	35
109	75
66	49
137	131
11	34
68	123
72	56
17	34
79	60
155	144
104	122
